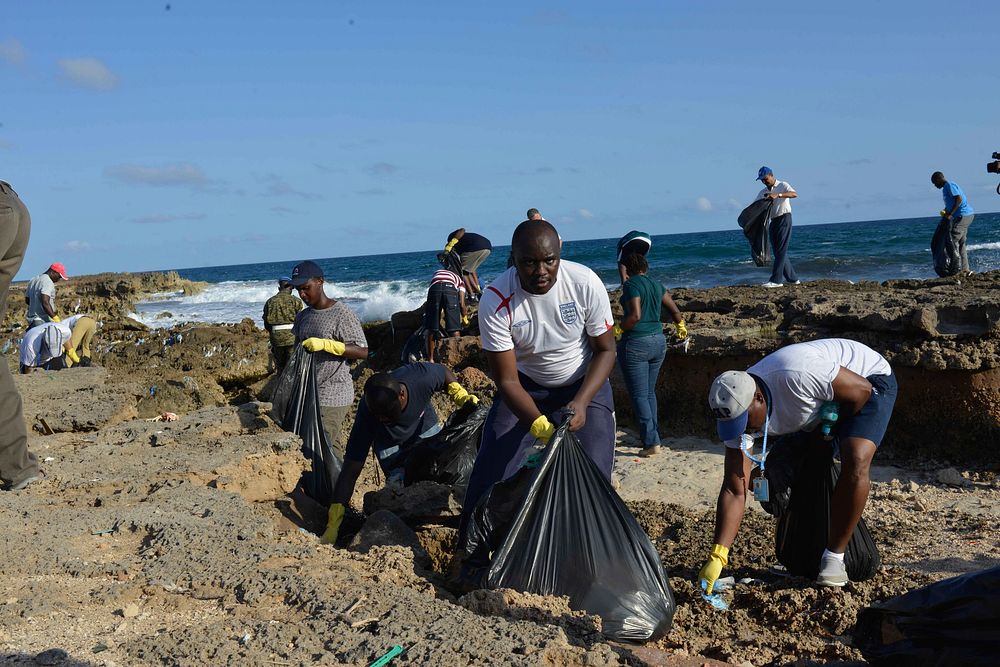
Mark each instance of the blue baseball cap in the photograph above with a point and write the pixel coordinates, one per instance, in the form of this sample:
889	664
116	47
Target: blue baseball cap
764	171
304	272
284	280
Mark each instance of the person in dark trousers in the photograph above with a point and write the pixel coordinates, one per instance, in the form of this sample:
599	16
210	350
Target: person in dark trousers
642	346
445	296
472	249
18	466
394	416
279	317
959	214
780	230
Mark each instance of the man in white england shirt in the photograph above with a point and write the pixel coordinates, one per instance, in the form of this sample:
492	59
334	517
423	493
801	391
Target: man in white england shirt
546	327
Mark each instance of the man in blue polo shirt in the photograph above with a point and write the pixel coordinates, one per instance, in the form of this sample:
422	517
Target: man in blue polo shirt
959	213
394	416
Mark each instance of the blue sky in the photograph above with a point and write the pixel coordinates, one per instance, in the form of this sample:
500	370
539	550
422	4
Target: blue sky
206	133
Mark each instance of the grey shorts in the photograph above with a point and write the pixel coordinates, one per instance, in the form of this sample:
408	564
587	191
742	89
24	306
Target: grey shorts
472	260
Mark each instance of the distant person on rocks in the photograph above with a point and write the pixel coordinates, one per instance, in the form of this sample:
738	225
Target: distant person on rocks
546	327
533	214
331	331
958	212
57	345
445	296
780	229
642	346
782	394
18	466
279	318
41	295
395	417
633	243
472	249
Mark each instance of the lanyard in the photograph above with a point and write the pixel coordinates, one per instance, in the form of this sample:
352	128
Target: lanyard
746	444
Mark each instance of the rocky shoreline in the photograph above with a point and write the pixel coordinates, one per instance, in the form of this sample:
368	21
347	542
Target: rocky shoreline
187	543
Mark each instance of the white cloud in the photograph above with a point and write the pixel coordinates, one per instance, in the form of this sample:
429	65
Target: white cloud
88	73
182	174
585	214
734	205
76	246
703	204
11	52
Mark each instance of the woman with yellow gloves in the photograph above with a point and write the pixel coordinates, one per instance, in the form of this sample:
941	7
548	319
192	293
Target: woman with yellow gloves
395	417
641	346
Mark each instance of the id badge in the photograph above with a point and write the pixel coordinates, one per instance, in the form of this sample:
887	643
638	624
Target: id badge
760	490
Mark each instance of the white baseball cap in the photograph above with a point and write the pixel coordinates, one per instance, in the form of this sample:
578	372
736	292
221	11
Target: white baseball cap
730	397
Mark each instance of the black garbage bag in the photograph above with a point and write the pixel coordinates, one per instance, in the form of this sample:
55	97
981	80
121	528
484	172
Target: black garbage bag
754	220
560	529
415	347
295	405
801	474
946	259
450	456
951	622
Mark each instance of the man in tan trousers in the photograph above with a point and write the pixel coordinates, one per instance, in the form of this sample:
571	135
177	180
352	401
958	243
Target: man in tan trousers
18	466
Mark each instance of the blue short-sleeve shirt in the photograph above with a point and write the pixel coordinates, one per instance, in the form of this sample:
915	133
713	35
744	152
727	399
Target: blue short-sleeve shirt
950	191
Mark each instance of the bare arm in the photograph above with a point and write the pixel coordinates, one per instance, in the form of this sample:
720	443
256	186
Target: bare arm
449	377
47	305
355	352
503	368
851	390
457	234
732	497
600	367
348	477
633	313
668	303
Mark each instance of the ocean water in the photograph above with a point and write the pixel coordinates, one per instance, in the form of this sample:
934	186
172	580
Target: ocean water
376	286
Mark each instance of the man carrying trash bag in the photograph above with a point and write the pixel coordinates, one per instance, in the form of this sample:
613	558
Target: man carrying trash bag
785	393
546	327
395	416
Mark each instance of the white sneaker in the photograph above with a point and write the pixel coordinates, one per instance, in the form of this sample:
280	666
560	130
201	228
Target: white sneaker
832	572
797	282
770	284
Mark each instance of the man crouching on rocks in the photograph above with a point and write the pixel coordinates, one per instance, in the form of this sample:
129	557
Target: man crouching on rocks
784	393
395	416
546	327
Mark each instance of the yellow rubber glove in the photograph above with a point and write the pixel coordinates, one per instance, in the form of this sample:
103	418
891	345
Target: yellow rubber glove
56	318
682	330
324	345
451	244
334	518
718	558
459	396
73	356
465	320
543	429
618	331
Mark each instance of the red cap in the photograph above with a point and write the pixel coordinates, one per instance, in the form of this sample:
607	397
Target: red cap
60	269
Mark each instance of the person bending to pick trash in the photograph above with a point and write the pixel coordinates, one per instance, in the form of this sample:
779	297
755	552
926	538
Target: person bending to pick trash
783	393
395	416
546	327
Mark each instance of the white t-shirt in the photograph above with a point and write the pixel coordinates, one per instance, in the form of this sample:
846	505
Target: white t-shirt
549	332
800	379
37	286
32	352
783	205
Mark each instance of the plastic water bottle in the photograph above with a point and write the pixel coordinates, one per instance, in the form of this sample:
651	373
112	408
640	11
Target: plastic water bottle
533	455
828	414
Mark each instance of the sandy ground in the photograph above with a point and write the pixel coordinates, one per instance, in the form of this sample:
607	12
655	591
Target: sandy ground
185	544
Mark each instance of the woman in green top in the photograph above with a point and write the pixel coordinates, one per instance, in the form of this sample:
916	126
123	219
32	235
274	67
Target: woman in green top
642	346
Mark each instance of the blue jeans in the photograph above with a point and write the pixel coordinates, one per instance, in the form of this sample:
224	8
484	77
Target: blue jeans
640	360
780	231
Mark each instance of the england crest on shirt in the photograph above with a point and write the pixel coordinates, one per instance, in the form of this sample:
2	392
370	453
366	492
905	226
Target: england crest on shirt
567	311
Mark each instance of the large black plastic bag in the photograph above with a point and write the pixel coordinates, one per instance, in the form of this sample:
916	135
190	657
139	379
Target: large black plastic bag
946	259
449	458
801	475
295	405
754	220
951	622
560	529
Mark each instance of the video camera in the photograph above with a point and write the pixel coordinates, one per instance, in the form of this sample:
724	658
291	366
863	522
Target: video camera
994	167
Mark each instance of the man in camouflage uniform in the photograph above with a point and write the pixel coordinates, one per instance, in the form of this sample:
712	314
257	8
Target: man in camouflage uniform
279	315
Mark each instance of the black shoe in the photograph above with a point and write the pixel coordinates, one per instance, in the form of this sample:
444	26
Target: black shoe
84	362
